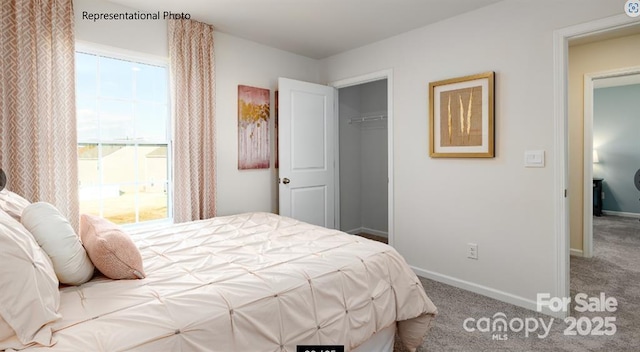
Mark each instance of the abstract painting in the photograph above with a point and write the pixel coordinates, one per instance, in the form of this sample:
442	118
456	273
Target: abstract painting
253	128
275	123
461	120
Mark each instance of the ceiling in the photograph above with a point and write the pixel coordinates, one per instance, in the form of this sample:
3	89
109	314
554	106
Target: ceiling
313	28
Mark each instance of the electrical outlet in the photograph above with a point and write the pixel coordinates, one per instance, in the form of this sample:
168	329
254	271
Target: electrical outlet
472	251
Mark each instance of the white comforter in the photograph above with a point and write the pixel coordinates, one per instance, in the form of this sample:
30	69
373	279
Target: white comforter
249	282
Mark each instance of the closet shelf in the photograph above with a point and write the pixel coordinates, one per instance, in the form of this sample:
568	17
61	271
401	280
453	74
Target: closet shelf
367	118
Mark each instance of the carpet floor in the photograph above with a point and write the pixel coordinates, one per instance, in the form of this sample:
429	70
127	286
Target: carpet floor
613	270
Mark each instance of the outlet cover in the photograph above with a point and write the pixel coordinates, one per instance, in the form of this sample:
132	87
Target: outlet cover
472	251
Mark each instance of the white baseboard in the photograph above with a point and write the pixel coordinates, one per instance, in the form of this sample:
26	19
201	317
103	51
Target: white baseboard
354	231
375	232
576	252
487	291
621	213
369	231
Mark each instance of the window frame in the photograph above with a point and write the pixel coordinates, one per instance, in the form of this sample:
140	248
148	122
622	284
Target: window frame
145	59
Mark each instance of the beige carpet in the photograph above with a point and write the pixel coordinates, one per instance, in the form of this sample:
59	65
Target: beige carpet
614	270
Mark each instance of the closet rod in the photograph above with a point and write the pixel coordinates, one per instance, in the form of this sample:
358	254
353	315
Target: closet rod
367	118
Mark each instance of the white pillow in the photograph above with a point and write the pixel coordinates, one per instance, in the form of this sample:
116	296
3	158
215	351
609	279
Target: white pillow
29	294
56	236
12	203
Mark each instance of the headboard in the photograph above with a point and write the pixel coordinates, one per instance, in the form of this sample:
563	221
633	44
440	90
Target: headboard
3	179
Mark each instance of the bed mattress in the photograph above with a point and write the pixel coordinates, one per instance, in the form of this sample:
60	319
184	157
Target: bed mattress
248	282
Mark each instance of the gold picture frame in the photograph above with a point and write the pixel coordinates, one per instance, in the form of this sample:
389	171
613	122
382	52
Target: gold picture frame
461	117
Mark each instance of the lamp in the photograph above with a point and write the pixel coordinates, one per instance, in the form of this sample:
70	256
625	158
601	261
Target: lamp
595	157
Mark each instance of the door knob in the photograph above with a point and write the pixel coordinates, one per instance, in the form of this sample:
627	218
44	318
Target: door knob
286	181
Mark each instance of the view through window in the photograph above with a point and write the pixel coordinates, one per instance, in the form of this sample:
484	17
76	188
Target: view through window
124	155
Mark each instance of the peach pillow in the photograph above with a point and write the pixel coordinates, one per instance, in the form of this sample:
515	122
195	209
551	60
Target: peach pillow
111	250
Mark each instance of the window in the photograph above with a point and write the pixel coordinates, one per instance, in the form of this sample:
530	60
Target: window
124	138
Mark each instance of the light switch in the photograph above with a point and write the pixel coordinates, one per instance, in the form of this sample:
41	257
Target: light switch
534	158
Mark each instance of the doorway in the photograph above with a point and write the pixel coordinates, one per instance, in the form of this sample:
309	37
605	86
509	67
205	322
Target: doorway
364	172
362	131
592	168
561	39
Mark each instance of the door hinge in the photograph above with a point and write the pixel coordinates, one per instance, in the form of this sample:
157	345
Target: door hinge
565	193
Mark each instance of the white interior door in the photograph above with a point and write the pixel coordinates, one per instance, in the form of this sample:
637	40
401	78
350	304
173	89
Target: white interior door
306	145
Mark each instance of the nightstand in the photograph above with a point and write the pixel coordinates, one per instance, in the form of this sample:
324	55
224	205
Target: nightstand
597	196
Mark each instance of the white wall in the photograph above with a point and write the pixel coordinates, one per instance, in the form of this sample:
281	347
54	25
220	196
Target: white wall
238	61
442	204
148	36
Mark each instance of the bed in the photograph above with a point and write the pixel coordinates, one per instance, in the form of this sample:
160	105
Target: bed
247	282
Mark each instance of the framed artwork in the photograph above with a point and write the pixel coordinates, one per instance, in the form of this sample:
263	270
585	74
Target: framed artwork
461	119
253	128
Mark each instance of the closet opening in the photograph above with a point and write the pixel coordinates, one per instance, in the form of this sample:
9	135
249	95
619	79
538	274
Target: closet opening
364	160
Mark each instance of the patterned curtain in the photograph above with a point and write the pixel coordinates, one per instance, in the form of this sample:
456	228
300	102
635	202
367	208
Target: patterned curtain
193	104
38	149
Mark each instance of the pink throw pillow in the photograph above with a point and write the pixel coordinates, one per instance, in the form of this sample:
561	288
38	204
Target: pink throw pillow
111	250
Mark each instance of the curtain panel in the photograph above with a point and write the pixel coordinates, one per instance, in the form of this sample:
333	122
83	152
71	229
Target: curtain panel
38	145
193	103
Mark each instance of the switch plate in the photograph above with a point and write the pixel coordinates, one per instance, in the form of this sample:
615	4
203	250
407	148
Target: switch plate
534	158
